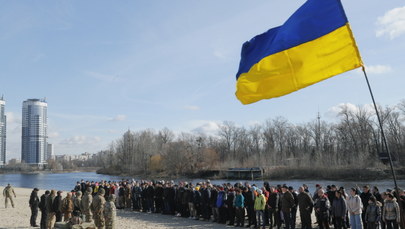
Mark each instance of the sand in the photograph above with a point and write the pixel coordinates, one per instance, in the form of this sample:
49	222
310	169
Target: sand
19	217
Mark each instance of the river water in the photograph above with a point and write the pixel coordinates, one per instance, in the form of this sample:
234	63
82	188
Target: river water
67	181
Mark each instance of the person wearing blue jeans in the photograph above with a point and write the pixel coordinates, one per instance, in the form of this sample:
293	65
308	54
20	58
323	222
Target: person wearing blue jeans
355	206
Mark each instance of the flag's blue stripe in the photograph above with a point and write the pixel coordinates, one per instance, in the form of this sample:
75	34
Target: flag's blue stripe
312	20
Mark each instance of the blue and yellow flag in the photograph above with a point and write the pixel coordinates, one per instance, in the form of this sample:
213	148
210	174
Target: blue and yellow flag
314	44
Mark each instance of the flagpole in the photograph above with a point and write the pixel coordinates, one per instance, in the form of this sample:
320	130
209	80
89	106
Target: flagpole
382	131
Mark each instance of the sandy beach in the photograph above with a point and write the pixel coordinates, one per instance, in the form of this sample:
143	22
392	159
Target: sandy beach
19	216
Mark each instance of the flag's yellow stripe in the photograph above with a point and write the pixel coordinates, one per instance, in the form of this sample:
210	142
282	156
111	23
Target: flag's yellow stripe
298	67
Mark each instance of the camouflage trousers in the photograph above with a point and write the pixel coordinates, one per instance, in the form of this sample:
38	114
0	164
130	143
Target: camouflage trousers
109	223
11	200
99	220
50	222
67	216
88	217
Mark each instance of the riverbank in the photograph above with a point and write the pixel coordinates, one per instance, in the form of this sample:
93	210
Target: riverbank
47	171
284	173
19	217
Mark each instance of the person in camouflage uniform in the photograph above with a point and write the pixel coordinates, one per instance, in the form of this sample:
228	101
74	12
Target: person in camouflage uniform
128	196
85	204
110	212
8	193
77	202
67	207
98	209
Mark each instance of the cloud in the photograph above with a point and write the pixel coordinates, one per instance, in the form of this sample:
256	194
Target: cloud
205	127
392	23
13	118
334	111
192	108
119	118
80	140
378	69
54	134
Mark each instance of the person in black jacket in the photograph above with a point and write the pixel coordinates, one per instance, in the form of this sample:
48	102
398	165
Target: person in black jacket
274	210
249	204
57	206
42	207
365	197
34	204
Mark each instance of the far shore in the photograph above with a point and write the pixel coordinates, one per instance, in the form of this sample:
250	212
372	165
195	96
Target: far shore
280	173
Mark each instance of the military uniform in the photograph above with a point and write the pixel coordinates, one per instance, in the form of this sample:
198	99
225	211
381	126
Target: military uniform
85	204
8	193
110	213
67	207
98	209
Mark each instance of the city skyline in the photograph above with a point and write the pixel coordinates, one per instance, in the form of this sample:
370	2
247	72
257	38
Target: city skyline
107	68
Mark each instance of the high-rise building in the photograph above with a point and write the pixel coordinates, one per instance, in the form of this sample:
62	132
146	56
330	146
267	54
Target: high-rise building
34	132
50	154
3	122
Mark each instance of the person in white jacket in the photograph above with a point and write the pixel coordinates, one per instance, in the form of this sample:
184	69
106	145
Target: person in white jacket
355	206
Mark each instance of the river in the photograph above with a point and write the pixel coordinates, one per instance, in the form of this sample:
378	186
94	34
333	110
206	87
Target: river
67	181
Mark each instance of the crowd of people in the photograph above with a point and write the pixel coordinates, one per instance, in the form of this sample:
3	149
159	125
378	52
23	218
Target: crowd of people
74	208
239	205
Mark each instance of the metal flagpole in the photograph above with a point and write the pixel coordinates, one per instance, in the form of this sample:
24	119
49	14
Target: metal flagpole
382	131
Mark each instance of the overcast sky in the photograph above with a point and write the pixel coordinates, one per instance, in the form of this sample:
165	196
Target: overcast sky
109	66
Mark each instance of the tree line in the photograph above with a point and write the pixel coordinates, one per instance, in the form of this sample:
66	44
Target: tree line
354	141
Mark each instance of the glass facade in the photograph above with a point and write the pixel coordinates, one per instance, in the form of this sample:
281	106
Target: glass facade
3	123
34	132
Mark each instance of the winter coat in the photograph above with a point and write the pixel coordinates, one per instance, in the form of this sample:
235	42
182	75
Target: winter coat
354	205
57	204
239	201
42	203
49	203
34	200
273	200
365	197
67	205
305	202
260	203
373	213
391	210
287	202
339	207
322	206
221	197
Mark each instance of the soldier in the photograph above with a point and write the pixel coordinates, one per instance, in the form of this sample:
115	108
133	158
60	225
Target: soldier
86	203
42	207
110	212
98	209
57	206
67	207
49	209
8	193
34	204
128	196
77	202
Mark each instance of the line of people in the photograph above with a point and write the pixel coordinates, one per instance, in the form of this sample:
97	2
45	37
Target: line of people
74	209
268	205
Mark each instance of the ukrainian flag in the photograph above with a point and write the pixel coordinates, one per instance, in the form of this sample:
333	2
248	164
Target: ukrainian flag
314	44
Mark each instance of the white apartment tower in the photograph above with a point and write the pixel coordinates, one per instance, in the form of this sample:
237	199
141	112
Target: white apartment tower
3	122
34	132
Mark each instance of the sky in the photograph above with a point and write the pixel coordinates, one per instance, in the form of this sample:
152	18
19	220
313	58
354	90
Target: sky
108	66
